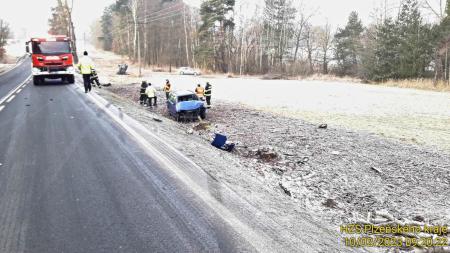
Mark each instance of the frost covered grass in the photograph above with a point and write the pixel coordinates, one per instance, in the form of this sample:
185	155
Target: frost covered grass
341	174
410	115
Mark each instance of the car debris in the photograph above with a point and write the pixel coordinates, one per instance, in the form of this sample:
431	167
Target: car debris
285	189
220	142
376	170
122	69
330	203
157	119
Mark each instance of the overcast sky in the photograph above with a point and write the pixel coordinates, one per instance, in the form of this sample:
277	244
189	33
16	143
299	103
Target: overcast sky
32	15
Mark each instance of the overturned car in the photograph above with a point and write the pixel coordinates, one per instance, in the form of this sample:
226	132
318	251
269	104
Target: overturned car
185	106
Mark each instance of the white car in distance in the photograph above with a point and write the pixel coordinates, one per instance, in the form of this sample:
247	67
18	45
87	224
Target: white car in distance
188	71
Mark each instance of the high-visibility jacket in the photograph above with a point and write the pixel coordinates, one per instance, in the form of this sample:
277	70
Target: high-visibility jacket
167	88
150	91
200	91
86	65
208	91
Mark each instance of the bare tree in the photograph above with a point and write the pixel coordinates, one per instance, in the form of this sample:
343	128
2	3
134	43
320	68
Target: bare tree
310	45
134	6
437	7
302	20
4	35
324	40
271	39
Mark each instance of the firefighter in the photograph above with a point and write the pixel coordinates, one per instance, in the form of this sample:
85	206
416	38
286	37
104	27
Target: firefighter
208	93
94	79
151	95
143	97
167	89
200	91
86	66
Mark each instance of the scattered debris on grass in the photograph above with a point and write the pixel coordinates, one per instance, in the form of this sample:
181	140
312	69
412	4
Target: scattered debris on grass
329	165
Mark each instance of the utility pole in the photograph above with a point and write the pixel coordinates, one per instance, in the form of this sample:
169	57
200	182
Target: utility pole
145	35
139	53
170	48
185	34
72	30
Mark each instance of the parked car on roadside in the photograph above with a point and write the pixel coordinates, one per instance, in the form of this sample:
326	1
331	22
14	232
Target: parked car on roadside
188	71
185	106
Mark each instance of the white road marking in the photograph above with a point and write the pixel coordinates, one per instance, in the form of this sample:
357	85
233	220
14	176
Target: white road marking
14	90
15	66
2	107
17	92
261	242
10	98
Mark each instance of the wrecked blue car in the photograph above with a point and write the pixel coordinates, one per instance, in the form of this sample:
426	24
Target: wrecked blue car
185	106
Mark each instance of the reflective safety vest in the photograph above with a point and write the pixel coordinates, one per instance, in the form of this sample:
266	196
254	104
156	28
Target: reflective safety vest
200	91
208	91
86	65
167	88
151	92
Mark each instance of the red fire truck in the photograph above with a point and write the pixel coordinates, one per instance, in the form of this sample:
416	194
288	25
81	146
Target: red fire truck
52	58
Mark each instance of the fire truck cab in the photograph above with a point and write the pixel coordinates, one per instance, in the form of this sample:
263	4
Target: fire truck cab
52	58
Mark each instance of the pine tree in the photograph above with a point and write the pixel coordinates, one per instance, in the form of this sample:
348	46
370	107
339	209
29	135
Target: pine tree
348	45
447	8
279	16
106	22
415	50
442	36
403	48
215	32
59	23
444	26
386	52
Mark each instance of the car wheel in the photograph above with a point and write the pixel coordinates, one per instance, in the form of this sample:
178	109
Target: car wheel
71	79
37	80
202	114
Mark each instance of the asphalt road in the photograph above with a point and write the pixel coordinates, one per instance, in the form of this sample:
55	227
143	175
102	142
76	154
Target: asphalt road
71	180
11	79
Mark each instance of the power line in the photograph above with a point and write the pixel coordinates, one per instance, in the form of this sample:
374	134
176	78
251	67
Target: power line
120	30
160	18
162	15
167	8
145	20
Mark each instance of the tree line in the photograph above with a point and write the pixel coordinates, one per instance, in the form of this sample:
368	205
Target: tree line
5	33
278	38
61	22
